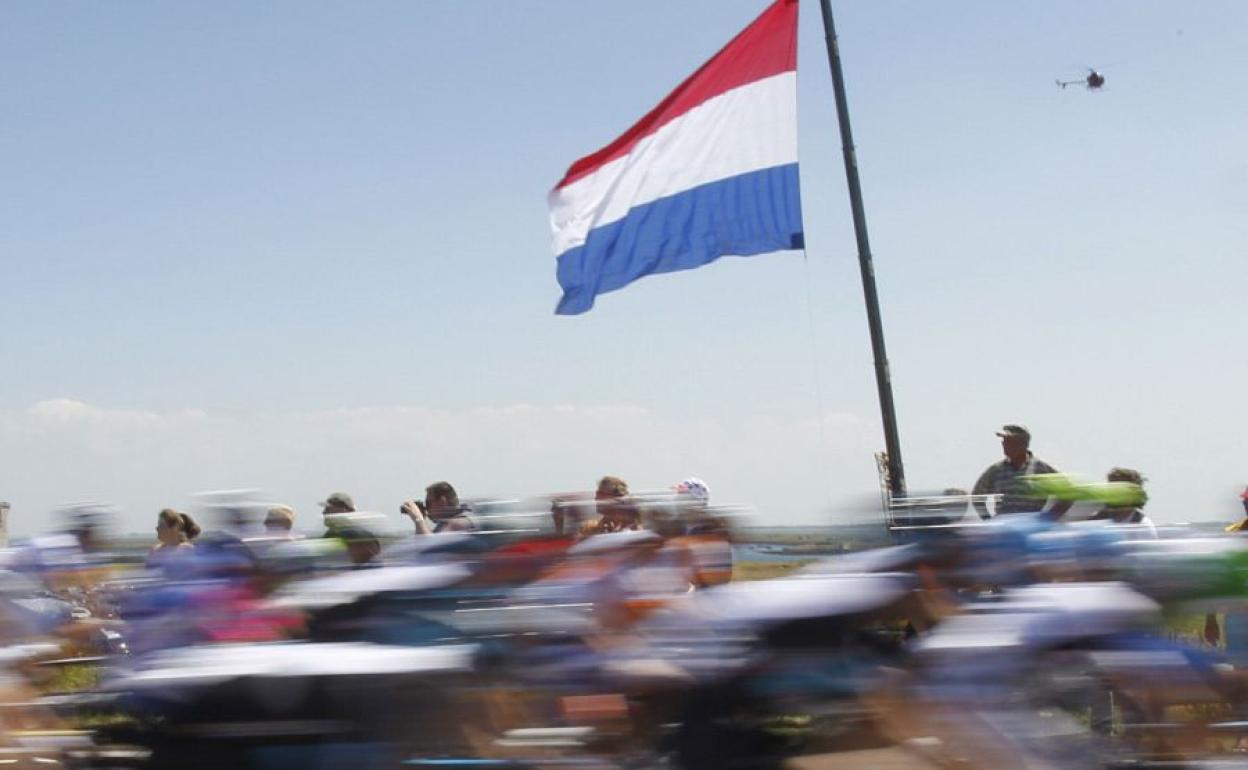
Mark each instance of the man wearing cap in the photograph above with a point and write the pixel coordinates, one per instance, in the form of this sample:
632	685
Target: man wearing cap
338	502
1006	477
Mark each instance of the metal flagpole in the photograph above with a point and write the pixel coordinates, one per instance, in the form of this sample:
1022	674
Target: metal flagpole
896	473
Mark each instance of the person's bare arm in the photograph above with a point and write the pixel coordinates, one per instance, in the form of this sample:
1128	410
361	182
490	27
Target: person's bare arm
411	509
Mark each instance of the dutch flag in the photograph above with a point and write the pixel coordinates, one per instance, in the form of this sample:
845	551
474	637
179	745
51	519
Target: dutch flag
711	171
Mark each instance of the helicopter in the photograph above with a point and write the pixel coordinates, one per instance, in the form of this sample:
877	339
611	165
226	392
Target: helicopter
1092	82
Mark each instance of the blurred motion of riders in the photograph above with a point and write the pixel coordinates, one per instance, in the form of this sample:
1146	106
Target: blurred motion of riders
605	629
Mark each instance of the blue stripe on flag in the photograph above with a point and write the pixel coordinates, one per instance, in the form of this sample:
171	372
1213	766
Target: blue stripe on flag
744	215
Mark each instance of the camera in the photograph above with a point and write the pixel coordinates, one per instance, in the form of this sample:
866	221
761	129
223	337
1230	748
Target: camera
420	505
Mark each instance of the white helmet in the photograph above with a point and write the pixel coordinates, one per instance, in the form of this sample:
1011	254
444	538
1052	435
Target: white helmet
695	488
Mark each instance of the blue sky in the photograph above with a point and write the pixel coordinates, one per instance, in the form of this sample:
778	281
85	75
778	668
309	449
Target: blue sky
303	246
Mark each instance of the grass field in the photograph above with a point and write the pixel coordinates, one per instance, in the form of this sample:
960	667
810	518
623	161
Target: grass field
761	570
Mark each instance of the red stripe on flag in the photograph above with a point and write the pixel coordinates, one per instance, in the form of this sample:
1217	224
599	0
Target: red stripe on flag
767	47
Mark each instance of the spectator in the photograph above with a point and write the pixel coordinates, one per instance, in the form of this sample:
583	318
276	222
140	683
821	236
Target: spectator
610	488
441	511
174	532
616	509
1005	478
1128	513
337	503
279	521
575	517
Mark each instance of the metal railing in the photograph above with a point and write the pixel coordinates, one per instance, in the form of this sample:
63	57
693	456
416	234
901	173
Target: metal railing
923	511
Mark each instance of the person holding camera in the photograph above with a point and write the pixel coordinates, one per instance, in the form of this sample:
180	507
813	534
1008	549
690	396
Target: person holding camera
440	511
